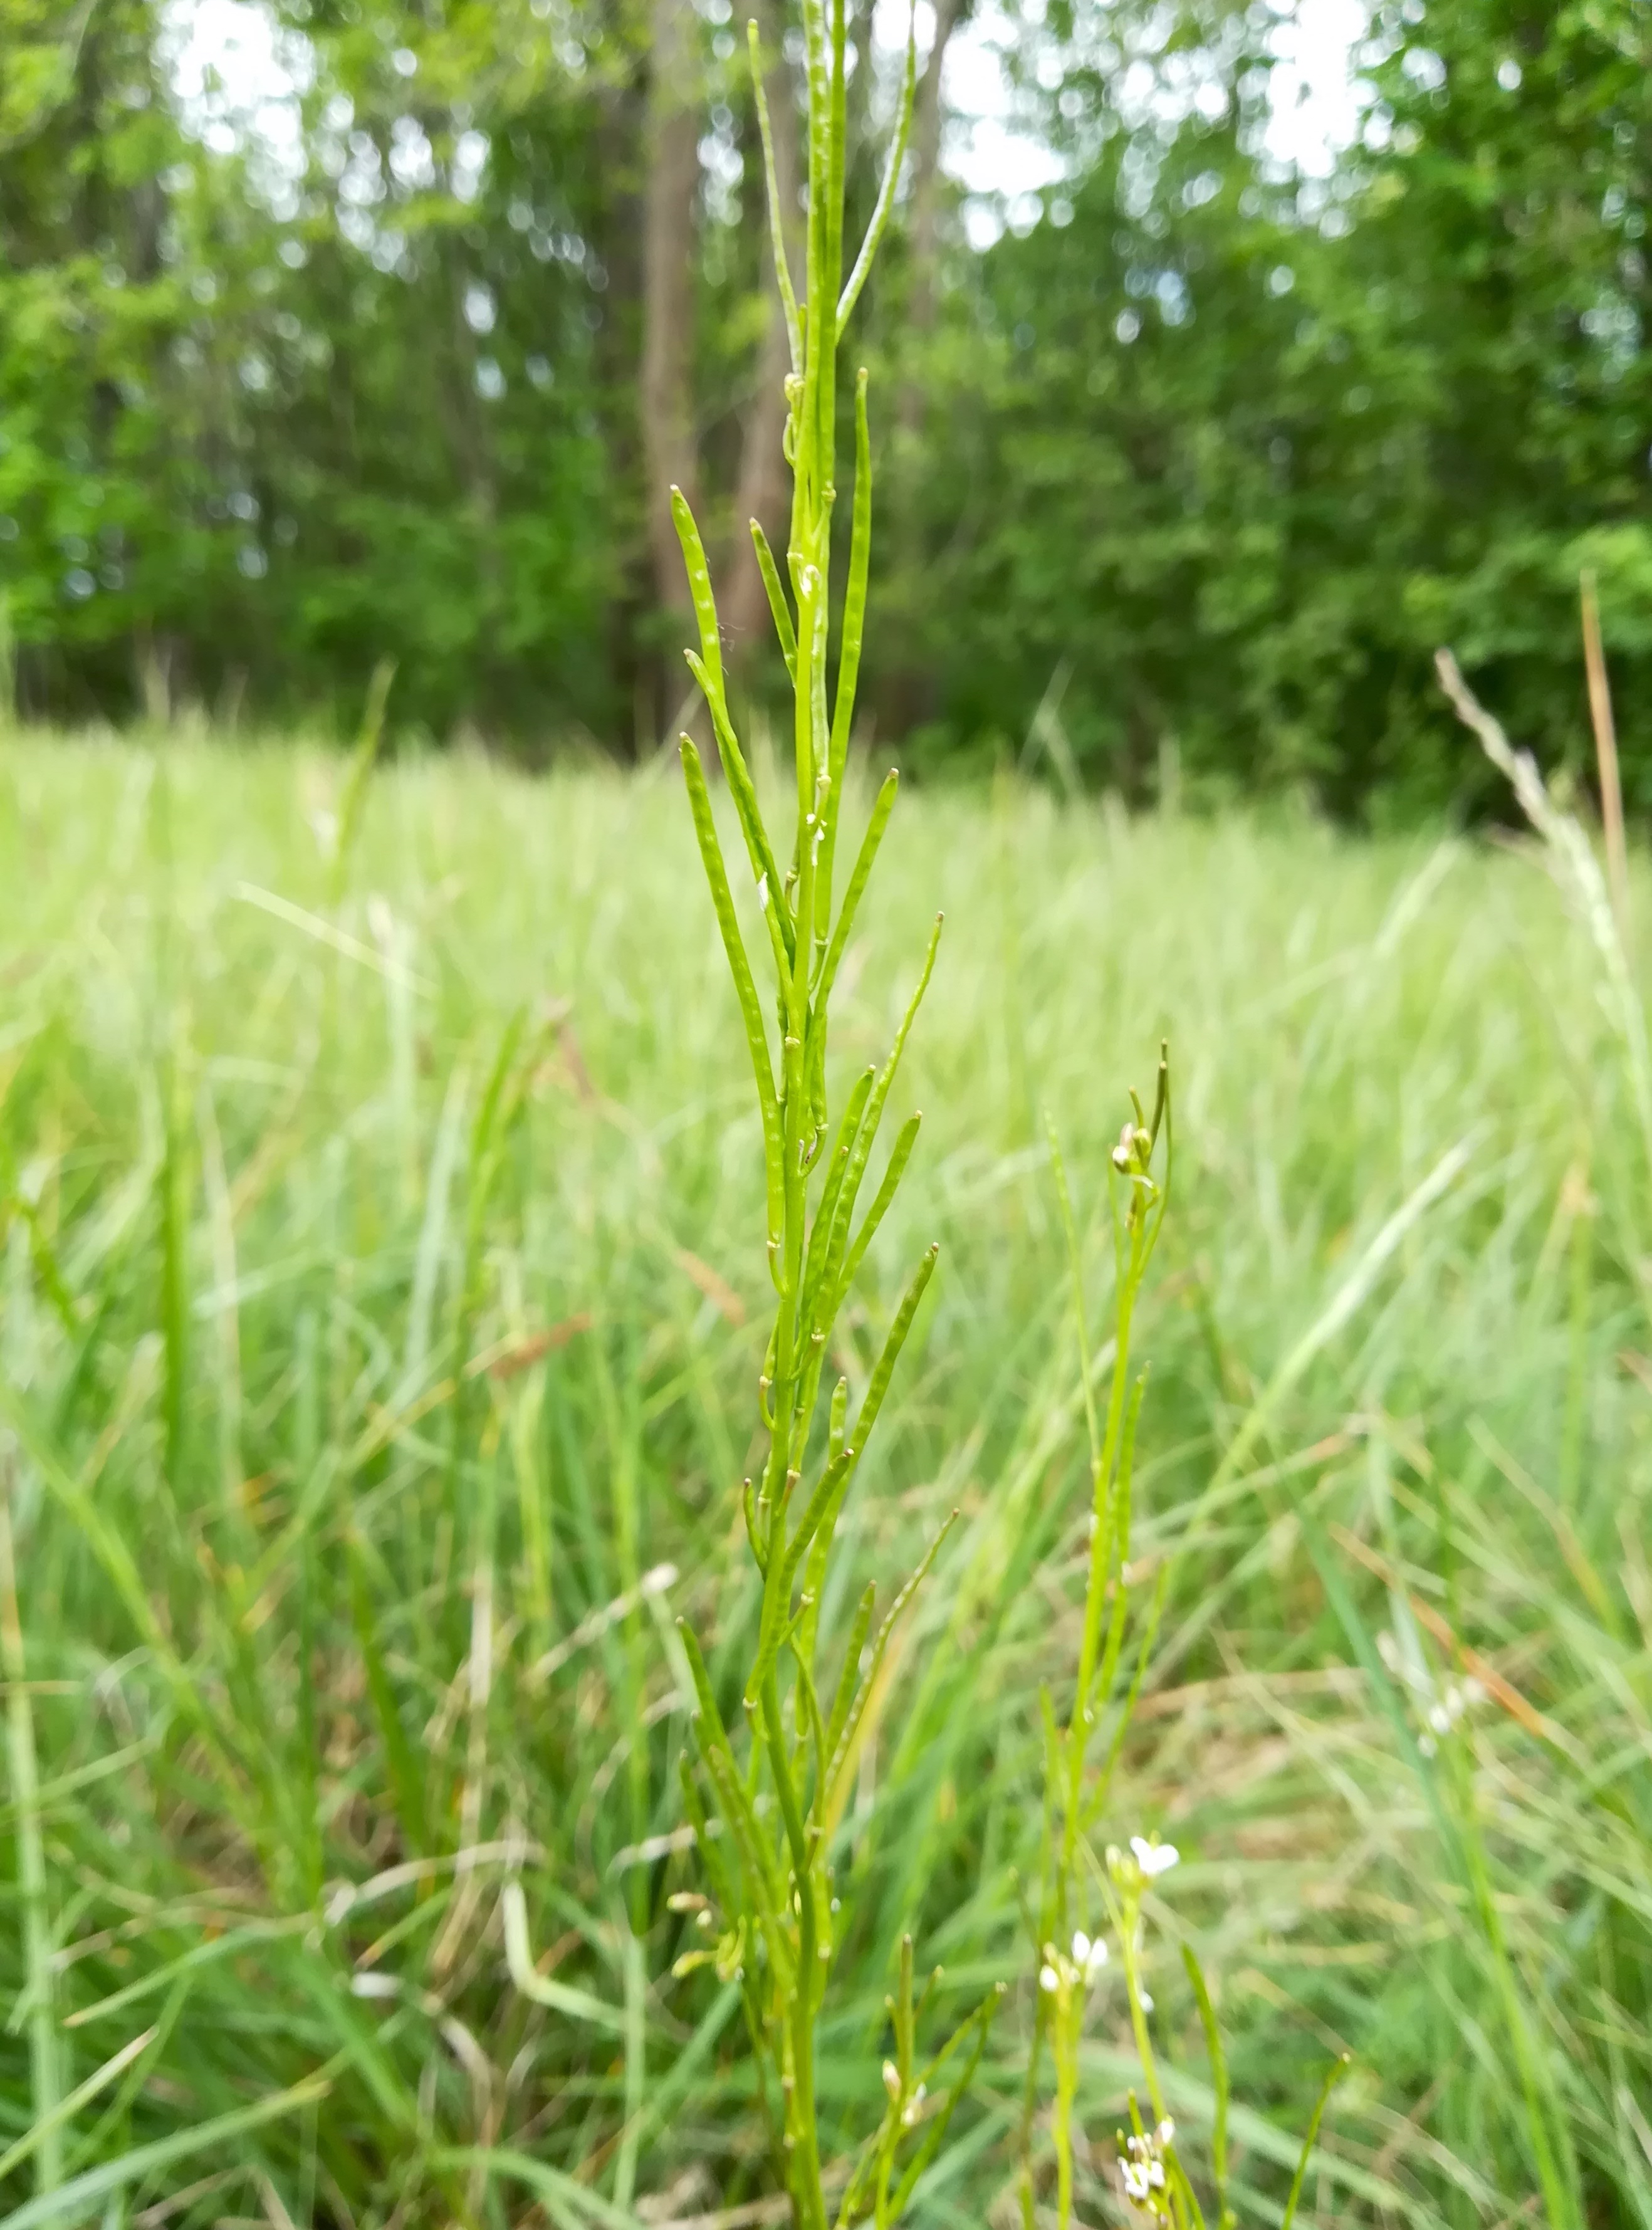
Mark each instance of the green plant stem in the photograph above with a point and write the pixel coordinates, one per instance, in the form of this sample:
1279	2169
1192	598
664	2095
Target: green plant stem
1128	1928
782	1884
1135	1235
1102	1511
808	2196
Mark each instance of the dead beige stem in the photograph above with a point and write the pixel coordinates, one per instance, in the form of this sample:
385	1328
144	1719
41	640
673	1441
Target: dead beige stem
1611	788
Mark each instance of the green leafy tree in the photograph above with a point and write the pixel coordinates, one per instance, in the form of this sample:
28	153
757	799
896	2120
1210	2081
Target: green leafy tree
1228	452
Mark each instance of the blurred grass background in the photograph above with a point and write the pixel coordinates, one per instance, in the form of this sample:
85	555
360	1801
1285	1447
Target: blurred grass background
383	1274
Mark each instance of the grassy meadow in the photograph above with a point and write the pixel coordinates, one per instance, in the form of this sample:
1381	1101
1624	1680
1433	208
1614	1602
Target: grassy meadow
380	1315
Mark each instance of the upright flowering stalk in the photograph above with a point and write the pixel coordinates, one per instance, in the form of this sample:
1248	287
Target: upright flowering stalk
1137	1199
1153	2181
776	1784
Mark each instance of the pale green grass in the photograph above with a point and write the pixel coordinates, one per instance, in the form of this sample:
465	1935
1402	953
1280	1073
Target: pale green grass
302	1607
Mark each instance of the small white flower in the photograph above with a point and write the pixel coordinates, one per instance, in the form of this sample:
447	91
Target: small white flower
1154	1858
1165	2132
1089	1956
892	2078
1156	2174
1049	1979
1146	2001
1135	2183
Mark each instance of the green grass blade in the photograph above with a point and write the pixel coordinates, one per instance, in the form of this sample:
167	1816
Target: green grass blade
368	738
406	1781
935	2134
880	1648
74	2200
563	2198
1335	2074
1213	2045
47	2127
47	2109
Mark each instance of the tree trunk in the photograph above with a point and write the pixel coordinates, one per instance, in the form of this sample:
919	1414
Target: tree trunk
667	395
763	489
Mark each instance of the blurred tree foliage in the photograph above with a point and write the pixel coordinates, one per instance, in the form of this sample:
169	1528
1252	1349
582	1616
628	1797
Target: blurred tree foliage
1191	470
1232	453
